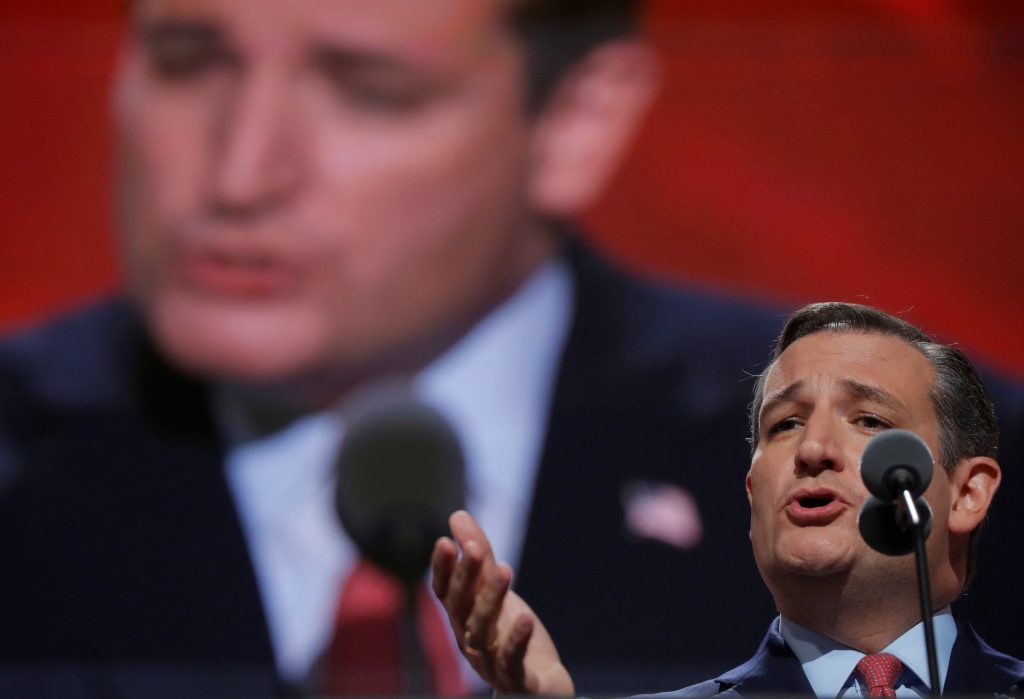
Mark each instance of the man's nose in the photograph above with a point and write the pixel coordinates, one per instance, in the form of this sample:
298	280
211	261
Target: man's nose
256	162
819	448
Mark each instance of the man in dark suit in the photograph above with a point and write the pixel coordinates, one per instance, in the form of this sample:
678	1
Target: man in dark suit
314	197
839	375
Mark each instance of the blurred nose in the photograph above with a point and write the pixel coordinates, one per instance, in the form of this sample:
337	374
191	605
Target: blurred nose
819	448
257	164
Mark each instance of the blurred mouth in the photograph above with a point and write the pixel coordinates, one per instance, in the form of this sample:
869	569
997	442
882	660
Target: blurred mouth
242	275
814	508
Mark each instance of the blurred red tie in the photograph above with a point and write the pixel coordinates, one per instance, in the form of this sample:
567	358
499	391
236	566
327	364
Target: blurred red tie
366	656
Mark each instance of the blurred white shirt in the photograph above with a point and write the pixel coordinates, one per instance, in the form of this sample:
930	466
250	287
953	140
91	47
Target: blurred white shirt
495	386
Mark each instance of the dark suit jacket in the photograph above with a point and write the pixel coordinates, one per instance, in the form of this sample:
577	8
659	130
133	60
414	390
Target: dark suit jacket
974	668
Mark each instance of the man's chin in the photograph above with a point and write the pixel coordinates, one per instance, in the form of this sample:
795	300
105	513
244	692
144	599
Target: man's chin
240	363
814	558
245	346
813	569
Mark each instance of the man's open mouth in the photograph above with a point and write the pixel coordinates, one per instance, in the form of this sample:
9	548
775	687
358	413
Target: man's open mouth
815	508
816	501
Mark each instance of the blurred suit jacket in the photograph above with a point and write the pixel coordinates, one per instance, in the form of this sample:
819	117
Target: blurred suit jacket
124	552
975	668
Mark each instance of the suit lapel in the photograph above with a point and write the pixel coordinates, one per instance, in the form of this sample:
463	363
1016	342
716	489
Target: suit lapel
975	667
773	669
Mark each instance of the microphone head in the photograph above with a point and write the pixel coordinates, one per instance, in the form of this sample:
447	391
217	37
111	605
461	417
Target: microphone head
896	459
400	474
880	524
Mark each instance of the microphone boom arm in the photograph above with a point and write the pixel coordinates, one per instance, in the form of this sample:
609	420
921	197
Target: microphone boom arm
924	590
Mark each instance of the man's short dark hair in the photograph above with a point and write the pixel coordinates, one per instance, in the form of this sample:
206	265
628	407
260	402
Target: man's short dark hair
559	33
963	408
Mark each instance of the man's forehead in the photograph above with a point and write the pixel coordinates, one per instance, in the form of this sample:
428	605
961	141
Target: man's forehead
856	362
417	26
413	10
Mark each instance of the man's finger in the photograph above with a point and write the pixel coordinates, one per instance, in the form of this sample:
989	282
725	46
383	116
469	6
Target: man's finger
442	565
461	592
465	528
481	625
511	660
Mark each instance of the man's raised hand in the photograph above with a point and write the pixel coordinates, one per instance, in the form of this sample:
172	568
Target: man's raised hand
499	634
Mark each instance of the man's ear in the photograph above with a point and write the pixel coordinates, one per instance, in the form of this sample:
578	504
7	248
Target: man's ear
582	133
973	484
750	490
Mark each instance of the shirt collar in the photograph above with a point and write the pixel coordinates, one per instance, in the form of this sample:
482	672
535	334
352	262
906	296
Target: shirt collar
491	364
828	664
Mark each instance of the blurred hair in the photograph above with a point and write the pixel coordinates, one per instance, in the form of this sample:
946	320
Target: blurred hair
559	33
963	408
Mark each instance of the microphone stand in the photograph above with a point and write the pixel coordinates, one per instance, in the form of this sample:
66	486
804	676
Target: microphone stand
415	667
923	589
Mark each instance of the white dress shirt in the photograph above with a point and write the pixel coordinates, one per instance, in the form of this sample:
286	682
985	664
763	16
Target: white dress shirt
495	387
829	665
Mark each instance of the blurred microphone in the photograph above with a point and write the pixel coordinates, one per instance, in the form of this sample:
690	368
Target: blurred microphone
896	468
401	473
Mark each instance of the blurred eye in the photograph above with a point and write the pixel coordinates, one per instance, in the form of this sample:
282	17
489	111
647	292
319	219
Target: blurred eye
382	97
373	83
183	51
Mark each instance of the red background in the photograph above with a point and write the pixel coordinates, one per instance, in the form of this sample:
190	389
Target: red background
802	150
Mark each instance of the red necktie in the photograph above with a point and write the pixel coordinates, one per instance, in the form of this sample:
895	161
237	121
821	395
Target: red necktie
365	657
879	673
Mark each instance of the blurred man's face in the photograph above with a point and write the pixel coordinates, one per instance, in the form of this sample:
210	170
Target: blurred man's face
826	396
308	184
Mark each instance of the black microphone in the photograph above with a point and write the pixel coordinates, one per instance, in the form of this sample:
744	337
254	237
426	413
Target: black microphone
400	474
894	461
884	525
896	468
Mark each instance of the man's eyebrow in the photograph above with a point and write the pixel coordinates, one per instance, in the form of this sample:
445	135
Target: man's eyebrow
874	394
782	396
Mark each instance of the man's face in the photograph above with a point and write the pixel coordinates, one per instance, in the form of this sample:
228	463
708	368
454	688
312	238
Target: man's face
307	184
826	396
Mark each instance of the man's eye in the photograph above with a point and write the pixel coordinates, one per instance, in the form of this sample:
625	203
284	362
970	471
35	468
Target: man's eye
383	98
873	422
784	425
183	55
182	62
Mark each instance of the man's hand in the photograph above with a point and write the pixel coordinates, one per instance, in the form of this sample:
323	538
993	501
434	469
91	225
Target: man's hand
497	631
